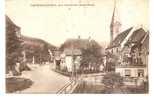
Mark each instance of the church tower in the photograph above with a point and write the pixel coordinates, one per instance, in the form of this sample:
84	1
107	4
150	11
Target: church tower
115	24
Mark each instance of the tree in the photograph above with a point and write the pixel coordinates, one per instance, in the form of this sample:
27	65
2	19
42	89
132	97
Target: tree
45	54
92	56
13	48
112	80
112	61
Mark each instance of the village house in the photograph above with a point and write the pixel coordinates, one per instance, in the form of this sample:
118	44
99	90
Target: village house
72	54
145	49
114	50
71	59
131	58
127	53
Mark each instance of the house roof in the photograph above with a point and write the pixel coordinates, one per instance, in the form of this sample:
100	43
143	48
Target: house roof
78	44
137	36
120	37
145	42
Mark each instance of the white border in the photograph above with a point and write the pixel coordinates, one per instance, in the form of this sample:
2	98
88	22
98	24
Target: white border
2	48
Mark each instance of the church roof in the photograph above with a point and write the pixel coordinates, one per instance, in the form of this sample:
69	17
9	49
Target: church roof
137	36
145	42
119	39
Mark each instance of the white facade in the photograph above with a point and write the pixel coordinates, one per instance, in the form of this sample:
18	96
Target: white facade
133	76
69	63
132	72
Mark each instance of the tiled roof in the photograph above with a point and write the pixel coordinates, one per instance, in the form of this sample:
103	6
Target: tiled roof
145	42
120	37
78	44
137	36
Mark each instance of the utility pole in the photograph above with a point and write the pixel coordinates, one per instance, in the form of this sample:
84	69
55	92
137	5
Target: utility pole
72	46
73	67
33	60
24	56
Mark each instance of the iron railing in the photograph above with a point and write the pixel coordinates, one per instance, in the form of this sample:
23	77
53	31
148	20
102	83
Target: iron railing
68	88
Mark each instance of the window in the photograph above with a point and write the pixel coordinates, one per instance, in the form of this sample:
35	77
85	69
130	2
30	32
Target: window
140	73
127	72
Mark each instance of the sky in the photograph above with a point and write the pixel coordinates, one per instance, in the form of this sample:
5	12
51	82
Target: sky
55	24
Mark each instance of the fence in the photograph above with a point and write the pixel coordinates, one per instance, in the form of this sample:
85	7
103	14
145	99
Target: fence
68	88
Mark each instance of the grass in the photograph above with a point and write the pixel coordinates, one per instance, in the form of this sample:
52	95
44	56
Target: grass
14	84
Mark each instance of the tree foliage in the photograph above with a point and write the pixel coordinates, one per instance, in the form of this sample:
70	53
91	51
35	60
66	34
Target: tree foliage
112	80
92	56
13	48
112	61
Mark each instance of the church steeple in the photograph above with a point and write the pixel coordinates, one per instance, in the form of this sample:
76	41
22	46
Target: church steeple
115	24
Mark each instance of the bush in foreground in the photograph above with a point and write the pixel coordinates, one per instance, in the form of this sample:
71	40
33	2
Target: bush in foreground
14	84
112	80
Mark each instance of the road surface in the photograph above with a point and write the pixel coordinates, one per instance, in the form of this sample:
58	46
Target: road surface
45	80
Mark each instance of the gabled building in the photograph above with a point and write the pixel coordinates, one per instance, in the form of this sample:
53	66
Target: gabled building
115	46
132	47
71	58
127	53
145	49
72	53
113	51
133	59
131	51
76	50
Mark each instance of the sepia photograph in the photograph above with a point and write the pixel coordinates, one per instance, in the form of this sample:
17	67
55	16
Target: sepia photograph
77	46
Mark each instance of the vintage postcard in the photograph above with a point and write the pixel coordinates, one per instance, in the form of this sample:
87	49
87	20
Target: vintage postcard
77	46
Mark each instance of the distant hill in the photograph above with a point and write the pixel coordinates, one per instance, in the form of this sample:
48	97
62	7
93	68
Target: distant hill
19	47
35	43
36	48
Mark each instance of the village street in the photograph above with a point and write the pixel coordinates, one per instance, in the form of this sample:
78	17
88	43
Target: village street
44	79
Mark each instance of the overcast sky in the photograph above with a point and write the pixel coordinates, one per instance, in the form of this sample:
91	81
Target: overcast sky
55	24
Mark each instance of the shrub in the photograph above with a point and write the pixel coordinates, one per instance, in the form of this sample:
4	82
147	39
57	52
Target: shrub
112	80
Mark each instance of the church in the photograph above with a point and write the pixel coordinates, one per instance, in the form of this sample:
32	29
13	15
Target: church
125	53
